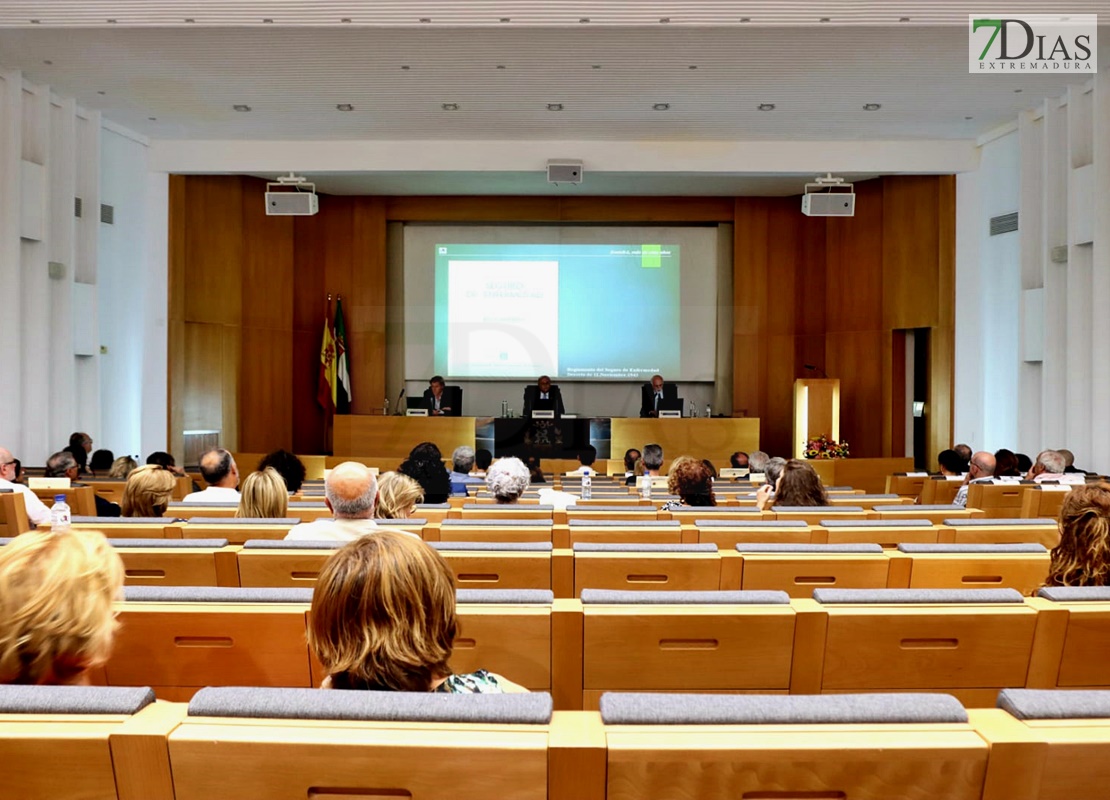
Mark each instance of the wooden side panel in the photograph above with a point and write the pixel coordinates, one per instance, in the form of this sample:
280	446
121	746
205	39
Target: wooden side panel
910	251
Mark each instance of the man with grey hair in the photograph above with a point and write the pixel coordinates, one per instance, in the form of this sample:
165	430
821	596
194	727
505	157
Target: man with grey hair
1049	466
653	459
37	513
462	462
757	462
773	471
220	472
63	465
351	492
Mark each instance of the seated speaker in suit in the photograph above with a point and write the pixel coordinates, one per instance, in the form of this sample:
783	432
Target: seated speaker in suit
654	393
542	397
442	400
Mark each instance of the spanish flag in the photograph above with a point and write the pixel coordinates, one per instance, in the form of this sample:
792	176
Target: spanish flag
325	391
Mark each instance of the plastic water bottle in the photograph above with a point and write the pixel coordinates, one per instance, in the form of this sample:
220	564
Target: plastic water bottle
708	411
645	487
504	408
693	410
385	408
59	513
587	486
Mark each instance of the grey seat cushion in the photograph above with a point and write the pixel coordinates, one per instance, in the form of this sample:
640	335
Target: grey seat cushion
172	544
298	544
761	547
822	509
645	510
495	507
698	709
620	547
513	596
214	594
537	547
74	699
1055	703
972	548
1001	523
1075	594
750	523
711	510
271	703
834	596
619	597
495	523
121	520
650	522
243	521
876	523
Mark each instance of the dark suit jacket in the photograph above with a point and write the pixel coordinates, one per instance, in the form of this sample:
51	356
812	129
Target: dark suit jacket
452	399
647	397
554	400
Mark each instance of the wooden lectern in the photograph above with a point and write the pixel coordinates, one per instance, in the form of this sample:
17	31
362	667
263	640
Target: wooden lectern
816	411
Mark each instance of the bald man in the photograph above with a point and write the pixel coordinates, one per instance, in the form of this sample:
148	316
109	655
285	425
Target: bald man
981	470
220	472
351	492
37	513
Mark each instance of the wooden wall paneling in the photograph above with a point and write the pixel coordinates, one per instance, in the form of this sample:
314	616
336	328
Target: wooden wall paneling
749	291
265	408
204	377
910	251
309	296
854	264
942	350
650	210
175	357
857	359
559	209
473	209
308	417
267	263
366	318
214	249
894	413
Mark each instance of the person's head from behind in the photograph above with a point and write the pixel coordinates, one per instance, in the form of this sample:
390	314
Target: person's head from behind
462	459
162	459
631	456
1006	463
62	465
426	451
738	460
288	466
81	440
218	468
652	458
482	459
507	478
691	481
773	470
383	615
398	496
101	461
799	485
350	491
951	463
757	462
1082	558
964	450
148	491
1049	462
1069	457
56	595
587	455
122	467
1025	463
263	496
981	466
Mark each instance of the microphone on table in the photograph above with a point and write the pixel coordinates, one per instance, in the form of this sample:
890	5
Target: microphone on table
816	369
398	412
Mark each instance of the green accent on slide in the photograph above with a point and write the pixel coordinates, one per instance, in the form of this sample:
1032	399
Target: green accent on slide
651	256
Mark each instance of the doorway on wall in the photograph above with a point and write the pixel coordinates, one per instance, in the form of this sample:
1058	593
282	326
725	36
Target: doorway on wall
910	407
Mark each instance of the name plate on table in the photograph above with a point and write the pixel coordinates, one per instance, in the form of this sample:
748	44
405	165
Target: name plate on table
543	413
670	414
416	412
734	472
48	483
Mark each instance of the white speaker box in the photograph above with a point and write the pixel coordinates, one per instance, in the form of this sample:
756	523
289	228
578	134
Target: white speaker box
564	171
835	204
291	204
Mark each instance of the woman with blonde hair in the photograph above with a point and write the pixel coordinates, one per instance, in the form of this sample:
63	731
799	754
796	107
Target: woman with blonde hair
263	495
398	496
1082	558
56	595
383	619
148	491
122	467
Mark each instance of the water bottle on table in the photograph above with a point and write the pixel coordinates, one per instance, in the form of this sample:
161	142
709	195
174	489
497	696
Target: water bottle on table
587	485
59	513
645	487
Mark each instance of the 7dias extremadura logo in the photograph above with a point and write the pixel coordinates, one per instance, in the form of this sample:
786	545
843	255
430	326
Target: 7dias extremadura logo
1032	43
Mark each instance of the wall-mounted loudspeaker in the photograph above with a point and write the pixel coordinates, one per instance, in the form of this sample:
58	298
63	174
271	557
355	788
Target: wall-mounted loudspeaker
564	171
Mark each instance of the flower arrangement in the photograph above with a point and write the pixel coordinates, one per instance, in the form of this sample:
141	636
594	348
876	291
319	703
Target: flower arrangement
823	447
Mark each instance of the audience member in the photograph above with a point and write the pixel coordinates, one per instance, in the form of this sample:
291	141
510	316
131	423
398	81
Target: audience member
56	595
980	470
535	470
964	451
264	496
288	466
166	461
951	463
773	471
37	513
19	476
383	619
507	479
220	472
122	467
1025	463
148	491
692	481
482	459
462	462
586	458
1069	461
631	456
799	485
1049	466
1082	558
80	445
653	459
709	466
425	466
350	491
63	465
398	496
101	462
1006	464
757	462
738	460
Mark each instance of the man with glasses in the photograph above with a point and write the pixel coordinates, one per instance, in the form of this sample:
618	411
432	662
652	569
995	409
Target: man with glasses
37	513
981	470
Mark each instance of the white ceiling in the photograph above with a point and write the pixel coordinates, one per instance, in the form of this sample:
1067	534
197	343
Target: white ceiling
166	78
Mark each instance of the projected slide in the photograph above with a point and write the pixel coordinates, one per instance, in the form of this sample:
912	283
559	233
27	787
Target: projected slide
569	311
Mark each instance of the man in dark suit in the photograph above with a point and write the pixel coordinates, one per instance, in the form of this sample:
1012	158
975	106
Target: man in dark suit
544	395
439	400
653	394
